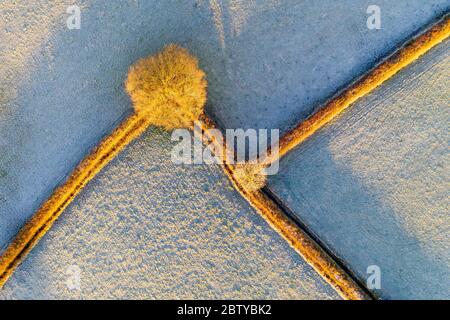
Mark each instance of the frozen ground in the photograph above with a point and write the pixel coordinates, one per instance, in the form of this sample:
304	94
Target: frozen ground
374	184
268	62
146	228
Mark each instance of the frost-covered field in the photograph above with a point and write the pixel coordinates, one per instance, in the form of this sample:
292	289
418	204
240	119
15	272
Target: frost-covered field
269	64
374	184
146	228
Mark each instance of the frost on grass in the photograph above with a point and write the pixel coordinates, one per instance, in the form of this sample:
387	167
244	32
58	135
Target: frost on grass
169	88
250	176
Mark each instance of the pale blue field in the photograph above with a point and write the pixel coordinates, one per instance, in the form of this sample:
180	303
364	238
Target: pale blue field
269	65
148	229
373	185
